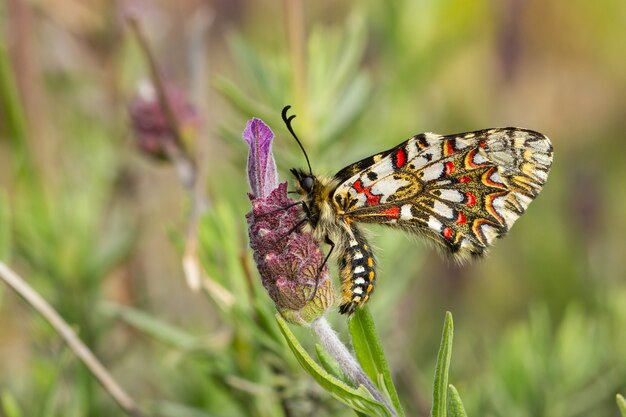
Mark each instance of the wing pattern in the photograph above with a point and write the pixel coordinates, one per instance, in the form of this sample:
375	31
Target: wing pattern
462	191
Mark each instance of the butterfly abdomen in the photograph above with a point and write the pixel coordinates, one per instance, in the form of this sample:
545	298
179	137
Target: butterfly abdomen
357	270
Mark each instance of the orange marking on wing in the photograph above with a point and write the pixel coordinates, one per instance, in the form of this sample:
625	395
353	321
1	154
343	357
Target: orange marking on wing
471	199
469	160
487	179
449	167
391	212
489	205
447	148
464	179
478	233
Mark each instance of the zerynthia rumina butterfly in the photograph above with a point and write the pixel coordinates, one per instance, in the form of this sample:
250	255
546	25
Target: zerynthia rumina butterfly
461	191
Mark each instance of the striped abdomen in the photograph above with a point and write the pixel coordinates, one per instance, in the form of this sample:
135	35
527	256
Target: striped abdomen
356	267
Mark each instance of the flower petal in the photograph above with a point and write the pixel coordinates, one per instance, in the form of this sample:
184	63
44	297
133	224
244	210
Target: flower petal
262	174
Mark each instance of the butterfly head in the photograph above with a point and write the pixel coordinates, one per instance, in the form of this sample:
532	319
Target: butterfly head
305	182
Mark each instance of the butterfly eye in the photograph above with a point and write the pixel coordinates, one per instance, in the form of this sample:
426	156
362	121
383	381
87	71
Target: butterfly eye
307	184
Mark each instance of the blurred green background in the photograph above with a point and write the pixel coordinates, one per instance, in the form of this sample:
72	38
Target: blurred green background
99	229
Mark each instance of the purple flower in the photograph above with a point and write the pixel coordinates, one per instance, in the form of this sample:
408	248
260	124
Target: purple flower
288	259
261	165
152	129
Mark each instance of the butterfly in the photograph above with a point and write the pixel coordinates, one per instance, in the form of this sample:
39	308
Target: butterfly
459	191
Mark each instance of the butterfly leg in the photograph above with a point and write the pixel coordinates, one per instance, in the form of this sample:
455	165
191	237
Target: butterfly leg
357	272
319	271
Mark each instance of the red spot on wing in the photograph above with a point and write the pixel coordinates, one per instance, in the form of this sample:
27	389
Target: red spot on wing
482	144
391	212
448	149
400	158
461	219
471	199
372	199
449	167
447	232
464	179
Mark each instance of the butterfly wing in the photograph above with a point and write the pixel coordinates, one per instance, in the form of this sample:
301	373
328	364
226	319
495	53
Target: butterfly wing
462	191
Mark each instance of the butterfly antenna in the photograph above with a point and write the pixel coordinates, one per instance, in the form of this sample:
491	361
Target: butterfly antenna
287	121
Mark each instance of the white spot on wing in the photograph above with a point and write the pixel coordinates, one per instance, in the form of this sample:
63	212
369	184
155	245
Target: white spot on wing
387	187
495	177
479	158
434	224
489	232
358	290
383	168
432	172
542	175
359	281
542	144
359	269
443	210
412	149
462	144
451	195
358	255
432	138
541	158
405	212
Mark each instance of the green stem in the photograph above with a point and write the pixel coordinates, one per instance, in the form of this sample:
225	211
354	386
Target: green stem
339	352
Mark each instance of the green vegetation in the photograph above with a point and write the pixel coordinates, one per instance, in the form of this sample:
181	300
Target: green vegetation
151	267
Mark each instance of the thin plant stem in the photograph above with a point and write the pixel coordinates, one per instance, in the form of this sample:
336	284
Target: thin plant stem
185	166
83	353
339	352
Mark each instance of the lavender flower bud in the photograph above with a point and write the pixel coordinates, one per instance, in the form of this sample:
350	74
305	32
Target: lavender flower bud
288	260
152	129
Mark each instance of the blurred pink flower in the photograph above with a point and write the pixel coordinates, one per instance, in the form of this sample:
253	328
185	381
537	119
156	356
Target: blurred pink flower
152	129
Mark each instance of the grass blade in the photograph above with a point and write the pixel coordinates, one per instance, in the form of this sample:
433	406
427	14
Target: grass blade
621	404
369	351
441	371
455	405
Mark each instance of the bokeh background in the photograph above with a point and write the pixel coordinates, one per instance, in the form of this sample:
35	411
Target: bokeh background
98	226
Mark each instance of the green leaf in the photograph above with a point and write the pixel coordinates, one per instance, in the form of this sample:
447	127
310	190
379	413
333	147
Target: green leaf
358	399
5	228
441	371
370	353
9	406
621	404
455	405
